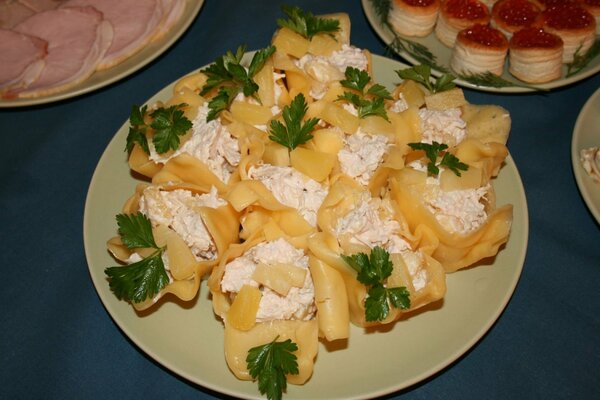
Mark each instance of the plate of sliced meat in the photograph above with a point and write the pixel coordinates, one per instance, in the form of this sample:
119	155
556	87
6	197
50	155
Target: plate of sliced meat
52	50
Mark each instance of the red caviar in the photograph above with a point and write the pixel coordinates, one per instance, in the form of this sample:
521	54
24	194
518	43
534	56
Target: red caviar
466	9
516	12
485	35
535	38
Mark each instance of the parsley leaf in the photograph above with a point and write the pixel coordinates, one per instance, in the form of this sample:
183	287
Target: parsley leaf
168	124
306	24
367	102
435	150
294	132
231	77
143	279
270	363
135	231
137	129
372	271
422	74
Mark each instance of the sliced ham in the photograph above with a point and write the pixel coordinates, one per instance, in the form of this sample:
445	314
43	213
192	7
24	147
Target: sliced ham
78	39
134	22
41	5
172	11
21	58
12	12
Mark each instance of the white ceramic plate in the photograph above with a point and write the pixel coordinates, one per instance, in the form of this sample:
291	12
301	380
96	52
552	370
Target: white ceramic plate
587	134
103	78
443	55
189	339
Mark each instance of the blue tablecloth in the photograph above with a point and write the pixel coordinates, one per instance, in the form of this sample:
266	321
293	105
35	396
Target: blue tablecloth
57	341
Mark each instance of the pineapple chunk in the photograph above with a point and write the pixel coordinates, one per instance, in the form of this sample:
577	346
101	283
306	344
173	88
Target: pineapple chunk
343	34
276	154
315	164
279	277
469	179
253	114
290	42
323	45
447	99
337	116
182	262
412	93
328	141
242	314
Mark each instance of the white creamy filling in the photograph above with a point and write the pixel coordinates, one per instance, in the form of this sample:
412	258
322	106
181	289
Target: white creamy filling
458	211
371	224
445	126
179	210
362	154
211	142
291	188
590	161
399	105
328	69
297	304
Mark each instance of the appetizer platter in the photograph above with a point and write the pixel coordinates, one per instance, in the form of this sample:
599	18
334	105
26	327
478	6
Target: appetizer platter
238	227
586	138
170	19
430	50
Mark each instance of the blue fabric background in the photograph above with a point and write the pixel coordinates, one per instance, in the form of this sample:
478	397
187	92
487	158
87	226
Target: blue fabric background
58	342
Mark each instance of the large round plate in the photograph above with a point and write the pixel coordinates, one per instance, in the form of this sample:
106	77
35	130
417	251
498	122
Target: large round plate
189	340
443	54
103	78
587	134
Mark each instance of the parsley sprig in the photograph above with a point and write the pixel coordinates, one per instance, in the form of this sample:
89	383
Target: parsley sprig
146	278
295	132
168	125
231	77
422	74
433	151
270	363
373	270
306	24
368	100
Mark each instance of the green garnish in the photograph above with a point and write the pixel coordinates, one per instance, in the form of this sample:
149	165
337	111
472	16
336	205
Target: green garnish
422	74
294	132
143	279
306	24
492	80
433	152
231	78
168	124
270	363
369	101
373	270
580	61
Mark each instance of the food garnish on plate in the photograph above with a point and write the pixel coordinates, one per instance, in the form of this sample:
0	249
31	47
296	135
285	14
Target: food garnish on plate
308	195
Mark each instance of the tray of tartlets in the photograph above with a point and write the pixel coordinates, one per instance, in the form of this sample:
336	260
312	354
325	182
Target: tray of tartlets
494	45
